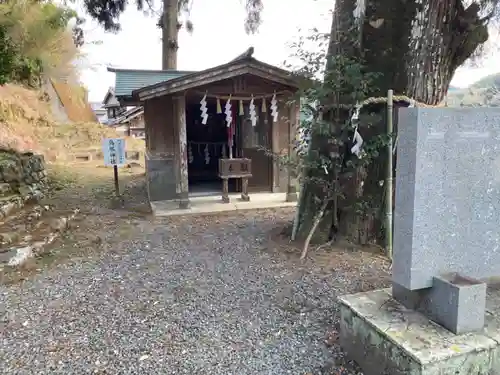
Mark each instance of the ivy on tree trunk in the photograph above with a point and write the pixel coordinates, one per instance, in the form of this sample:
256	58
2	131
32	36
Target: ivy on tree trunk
416	46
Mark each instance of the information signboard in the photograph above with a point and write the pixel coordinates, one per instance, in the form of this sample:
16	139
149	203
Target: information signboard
114	152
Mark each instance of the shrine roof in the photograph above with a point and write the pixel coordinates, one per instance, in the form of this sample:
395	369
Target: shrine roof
128	80
237	67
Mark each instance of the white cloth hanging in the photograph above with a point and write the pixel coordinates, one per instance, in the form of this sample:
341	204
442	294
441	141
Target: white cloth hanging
357	139
203	109
228	112
274	108
358	142
355	115
253	113
207	154
190	154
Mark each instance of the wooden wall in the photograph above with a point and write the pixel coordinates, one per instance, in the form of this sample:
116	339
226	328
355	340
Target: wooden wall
161	162
162	133
160	129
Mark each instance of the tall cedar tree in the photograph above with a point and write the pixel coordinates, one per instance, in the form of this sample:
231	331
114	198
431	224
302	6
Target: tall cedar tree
107	13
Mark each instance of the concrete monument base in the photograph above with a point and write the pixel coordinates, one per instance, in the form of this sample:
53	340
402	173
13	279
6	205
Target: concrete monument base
386	338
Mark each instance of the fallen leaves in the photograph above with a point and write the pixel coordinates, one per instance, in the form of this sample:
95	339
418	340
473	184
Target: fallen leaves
332	338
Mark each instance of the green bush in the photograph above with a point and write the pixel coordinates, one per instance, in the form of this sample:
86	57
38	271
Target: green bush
35	39
7	57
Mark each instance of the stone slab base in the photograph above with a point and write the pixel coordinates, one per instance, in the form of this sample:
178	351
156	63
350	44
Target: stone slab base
213	204
385	338
456	302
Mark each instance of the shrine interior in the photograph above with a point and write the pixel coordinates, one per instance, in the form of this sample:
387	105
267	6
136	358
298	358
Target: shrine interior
206	144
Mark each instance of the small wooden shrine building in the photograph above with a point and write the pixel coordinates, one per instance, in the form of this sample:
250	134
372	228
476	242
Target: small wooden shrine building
241	112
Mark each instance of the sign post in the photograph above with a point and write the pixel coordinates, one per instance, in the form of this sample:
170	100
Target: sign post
114	155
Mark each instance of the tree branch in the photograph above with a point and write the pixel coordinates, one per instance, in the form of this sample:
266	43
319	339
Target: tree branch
469	32
317	220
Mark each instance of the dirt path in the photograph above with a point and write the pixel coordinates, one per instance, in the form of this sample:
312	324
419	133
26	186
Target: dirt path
90	189
127	294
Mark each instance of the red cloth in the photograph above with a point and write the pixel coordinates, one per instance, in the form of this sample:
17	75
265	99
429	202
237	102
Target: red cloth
233	123
231	128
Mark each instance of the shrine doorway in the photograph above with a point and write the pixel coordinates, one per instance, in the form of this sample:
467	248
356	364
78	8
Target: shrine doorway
255	143
206	144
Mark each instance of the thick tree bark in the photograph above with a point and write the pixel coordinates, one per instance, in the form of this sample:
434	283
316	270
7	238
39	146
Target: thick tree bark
170	32
416	46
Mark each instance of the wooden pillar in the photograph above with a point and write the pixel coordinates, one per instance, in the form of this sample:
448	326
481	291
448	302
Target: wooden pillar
180	122
225	190
147	127
275	139
244	190
293	117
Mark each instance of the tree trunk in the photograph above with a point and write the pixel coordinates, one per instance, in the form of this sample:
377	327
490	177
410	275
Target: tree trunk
416	46
419	45
170	33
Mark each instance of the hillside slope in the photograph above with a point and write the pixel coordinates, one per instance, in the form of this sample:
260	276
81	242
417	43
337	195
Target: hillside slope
493	80
27	124
74	100
485	92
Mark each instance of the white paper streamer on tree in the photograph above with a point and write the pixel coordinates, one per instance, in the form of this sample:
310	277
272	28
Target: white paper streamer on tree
253	113
203	109
356	149
358	140
229	115
355	115
274	108
207	154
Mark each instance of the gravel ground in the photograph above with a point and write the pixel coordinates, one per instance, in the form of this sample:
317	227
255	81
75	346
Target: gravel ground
205	295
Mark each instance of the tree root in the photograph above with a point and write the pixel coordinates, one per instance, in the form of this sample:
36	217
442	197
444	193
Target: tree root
325	245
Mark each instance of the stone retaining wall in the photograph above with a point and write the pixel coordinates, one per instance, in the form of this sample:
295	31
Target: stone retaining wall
92	155
23	179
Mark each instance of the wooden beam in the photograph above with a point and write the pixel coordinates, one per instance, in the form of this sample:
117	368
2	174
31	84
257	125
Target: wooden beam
192	80
223	95
273	74
180	122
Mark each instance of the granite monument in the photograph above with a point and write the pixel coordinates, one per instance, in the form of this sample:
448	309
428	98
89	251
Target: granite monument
447	213
446	246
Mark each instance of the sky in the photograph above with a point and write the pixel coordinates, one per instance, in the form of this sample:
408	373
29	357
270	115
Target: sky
217	38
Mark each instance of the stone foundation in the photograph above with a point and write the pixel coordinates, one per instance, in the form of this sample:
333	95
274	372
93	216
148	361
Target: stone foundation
455	302
23	179
386	338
